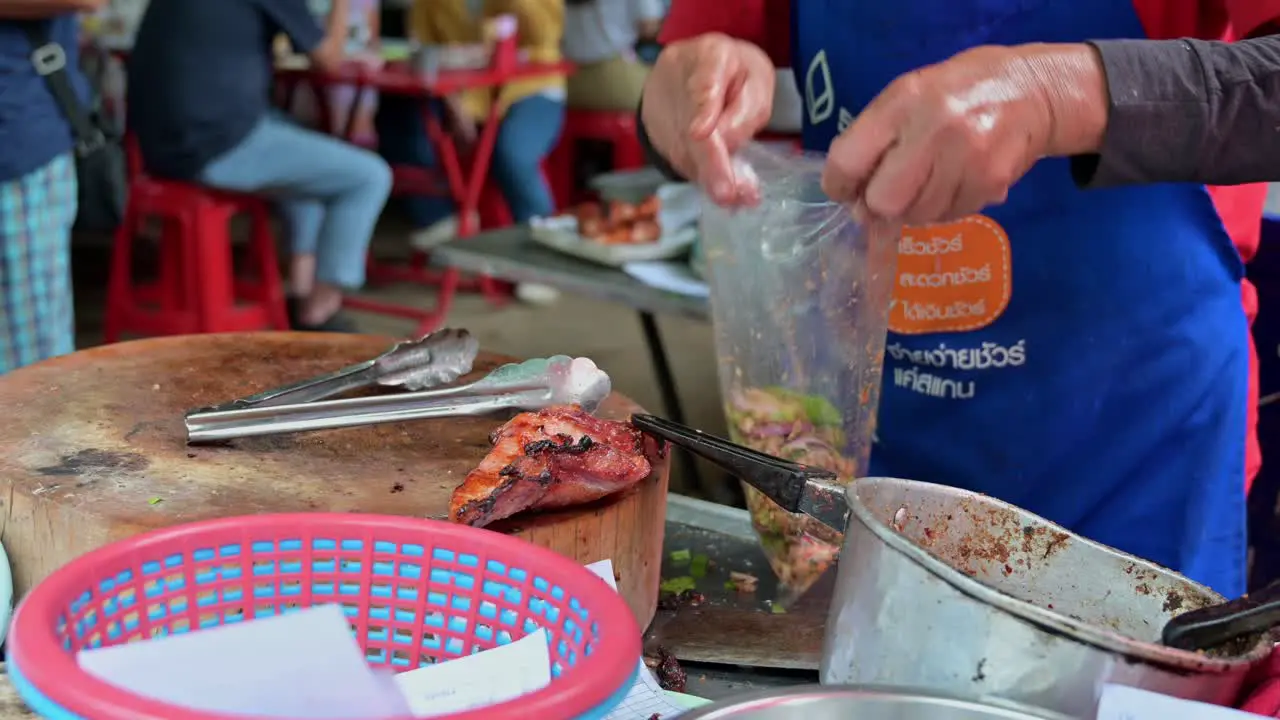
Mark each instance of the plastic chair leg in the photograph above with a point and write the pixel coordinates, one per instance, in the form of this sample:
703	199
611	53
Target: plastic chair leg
209	269
120	281
271	289
176	294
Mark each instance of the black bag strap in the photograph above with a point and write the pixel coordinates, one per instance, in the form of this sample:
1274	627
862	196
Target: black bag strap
50	61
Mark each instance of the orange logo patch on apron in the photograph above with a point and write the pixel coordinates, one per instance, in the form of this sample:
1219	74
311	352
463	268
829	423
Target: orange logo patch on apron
953	277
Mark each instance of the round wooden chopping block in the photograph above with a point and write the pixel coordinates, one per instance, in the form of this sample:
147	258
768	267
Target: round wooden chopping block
95	451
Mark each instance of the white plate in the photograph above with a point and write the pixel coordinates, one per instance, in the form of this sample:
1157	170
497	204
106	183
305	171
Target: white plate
698	262
668	276
561	234
462	57
459	57
681	206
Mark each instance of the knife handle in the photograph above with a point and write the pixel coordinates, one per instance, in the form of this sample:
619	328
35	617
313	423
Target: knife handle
782	481
1217	625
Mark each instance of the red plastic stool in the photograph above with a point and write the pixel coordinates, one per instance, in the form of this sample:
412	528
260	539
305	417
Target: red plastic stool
615	127
196	290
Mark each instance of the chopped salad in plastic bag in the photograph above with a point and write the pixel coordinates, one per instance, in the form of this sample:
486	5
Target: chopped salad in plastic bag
800	298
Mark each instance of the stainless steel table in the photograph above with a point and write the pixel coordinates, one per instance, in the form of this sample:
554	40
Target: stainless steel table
11	706
732	642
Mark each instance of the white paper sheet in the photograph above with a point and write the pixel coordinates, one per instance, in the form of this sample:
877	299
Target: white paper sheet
257	668
670	276
497	675
1125	703
646	697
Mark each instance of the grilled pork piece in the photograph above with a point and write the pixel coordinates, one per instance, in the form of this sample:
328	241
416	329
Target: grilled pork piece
620	223
552	458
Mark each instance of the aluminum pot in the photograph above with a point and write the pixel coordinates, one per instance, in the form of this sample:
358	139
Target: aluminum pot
814	702
958	592
955	591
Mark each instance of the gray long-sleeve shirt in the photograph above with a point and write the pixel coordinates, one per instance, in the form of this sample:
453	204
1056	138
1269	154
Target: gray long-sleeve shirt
1188	110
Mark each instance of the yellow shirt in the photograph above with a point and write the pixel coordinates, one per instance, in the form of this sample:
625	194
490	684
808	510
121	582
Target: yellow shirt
450	22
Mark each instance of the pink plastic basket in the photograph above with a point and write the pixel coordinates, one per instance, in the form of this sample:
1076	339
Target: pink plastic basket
415	591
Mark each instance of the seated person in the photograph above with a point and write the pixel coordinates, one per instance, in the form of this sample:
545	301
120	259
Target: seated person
364	36
600	37
199	102
531	111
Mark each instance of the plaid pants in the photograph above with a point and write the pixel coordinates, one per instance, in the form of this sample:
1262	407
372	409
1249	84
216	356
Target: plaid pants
37	319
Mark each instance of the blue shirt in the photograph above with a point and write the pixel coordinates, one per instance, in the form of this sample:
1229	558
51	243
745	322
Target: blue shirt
200	76
33	129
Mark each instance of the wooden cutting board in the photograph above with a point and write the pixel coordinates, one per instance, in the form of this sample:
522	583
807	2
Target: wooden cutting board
11	706
95	451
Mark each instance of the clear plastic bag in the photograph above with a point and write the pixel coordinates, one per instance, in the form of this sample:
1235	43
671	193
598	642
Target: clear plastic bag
800	296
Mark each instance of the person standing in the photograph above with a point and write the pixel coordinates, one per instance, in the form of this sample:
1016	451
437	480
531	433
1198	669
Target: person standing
37	183
364	42
1083	354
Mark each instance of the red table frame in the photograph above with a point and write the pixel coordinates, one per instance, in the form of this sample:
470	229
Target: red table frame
464	185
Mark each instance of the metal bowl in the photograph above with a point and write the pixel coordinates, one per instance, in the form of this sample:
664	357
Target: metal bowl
947	589
852	702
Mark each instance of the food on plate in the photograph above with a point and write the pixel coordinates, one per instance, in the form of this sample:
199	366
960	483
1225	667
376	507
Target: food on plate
553	458
802	428
620	223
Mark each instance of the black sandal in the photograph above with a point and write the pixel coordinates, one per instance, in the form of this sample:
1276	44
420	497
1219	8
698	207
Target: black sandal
339	322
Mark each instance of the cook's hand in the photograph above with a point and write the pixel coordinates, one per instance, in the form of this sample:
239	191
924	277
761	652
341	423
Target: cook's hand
704	99
950	139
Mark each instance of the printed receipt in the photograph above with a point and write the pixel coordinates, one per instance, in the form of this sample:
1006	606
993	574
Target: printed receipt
646	697
1125	703
509	671
497	675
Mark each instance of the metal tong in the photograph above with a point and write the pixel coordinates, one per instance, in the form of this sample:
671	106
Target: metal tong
797	488
435	359
529	385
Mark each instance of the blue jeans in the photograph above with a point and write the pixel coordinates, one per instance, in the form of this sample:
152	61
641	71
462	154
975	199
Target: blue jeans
330	192
528	132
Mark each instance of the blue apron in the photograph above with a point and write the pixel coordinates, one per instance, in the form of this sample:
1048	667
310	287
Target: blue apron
1079	354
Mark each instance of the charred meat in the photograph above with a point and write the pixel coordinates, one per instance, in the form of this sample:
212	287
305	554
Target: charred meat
671	677
620	223
553	458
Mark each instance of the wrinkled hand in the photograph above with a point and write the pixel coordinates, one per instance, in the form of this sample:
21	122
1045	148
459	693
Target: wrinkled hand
952	138
705	98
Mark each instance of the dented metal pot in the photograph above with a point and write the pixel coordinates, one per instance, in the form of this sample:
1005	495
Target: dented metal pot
958	592
813	702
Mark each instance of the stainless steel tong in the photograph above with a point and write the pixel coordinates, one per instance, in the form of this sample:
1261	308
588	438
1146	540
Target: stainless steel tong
434	359
530	385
